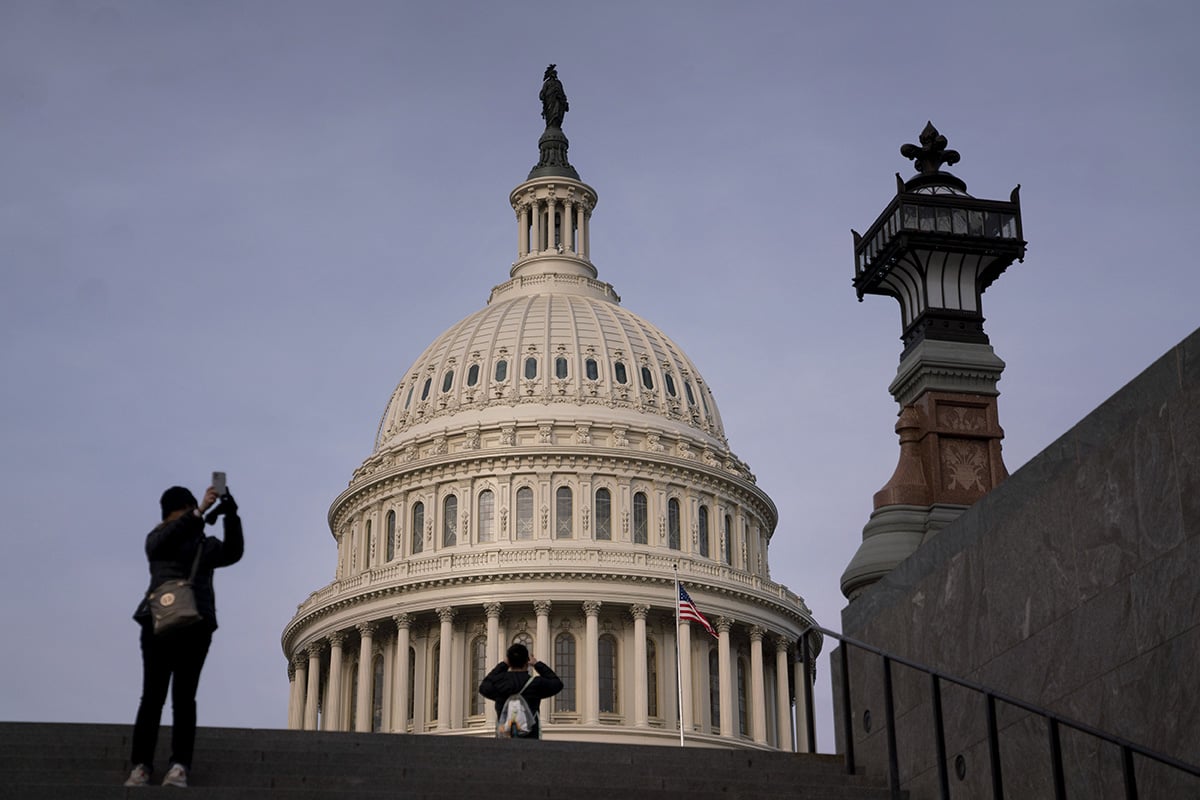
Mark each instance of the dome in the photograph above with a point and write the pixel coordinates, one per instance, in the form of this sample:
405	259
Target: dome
553	354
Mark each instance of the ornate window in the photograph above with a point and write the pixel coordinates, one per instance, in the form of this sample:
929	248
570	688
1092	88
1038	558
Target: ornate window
647	378
591	370
425	388
641	519
368	545
619	373
669	382
563	511
524	638
603	514
435	670
564	665
714	688
473	375
447	381
450	521
418	528
691	398
651	678
560	368
501	371
479	668
606	650
530	368
390	530
486	515
673	524
743	727
524	513
377	694
727	537
702	532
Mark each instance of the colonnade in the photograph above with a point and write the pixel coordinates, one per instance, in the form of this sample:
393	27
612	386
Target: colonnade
553	224
419	671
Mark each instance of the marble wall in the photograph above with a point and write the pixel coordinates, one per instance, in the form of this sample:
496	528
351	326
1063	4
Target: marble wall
1075	585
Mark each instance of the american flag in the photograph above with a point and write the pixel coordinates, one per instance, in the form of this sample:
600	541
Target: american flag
688	610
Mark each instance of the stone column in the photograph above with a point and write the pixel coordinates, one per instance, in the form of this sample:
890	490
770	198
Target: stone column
445	682
568	230
495	653
783	704
300	665
535	211
314	686
585	234
546	652
591	672
400	692
366	678
758	703
801	707
333	708
685	674
291	713
640	686
728	721
523	231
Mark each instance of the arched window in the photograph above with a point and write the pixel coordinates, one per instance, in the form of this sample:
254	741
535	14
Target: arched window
435	669
473	375
530	368
702	532
479	668
564	665
673	524
501	371
606	650
486	515
563	512
727	538
377	694
641	519
418	528
425	388
368	545
450	521
651	678
743	727
714	688
390	530
560	368
603	514
524	513
619	373
447	380
591	370
647	378
526	639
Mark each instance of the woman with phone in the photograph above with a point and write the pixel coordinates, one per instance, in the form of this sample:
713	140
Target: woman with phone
176	548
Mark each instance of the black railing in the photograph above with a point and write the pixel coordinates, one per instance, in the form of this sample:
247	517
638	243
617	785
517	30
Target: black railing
1054	723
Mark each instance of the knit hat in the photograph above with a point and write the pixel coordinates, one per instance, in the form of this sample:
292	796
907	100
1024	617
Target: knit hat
176	498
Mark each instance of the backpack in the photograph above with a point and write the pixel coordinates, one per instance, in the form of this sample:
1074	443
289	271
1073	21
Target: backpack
516	720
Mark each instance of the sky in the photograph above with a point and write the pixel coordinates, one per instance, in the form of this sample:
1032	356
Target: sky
227	229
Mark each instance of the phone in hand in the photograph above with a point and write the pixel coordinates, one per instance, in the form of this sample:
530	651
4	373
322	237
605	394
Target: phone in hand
218	483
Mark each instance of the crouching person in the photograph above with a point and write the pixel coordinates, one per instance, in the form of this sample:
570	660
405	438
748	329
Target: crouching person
517	685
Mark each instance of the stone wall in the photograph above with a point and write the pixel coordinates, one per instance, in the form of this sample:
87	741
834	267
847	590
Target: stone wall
1075	585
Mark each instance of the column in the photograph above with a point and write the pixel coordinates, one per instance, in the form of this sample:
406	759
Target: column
300	663
495	653
535	211
545	649
291	713
445	682
366	678
728	712
591	682
400	691
758	704
685	674
314	686
523	231
585	234
389	682
568	225
802	743
783	704
333	708
640	687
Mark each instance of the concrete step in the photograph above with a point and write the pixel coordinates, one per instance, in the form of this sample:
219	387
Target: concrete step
41	760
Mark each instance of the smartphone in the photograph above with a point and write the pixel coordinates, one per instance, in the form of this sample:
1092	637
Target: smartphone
218	483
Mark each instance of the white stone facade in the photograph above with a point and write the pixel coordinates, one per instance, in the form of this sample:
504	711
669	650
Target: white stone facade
539	475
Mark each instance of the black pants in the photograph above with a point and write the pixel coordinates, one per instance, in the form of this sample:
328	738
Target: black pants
174	659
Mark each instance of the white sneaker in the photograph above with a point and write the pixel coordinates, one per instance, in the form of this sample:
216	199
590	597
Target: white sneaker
176	776
140	776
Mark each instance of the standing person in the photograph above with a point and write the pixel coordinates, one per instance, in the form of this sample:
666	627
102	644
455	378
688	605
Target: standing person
511	676
177	657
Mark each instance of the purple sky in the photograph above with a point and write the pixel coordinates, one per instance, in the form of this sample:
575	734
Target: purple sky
226	229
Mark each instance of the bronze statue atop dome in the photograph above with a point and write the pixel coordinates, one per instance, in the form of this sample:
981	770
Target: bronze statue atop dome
554	99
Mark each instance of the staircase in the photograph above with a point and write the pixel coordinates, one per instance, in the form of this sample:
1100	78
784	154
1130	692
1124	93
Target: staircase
90	762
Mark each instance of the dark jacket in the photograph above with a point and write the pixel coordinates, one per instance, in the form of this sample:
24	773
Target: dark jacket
501	684
171	549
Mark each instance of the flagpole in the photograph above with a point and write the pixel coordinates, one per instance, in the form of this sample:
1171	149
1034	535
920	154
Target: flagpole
678	660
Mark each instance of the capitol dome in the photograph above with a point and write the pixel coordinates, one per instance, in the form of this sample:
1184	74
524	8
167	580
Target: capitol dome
544	472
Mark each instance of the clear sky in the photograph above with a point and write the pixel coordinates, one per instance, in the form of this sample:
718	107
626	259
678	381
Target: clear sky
228	228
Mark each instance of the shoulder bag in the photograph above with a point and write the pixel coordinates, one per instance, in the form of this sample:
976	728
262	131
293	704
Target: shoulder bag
173	603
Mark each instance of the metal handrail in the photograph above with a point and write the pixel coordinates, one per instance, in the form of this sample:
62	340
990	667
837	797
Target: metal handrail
1054	723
